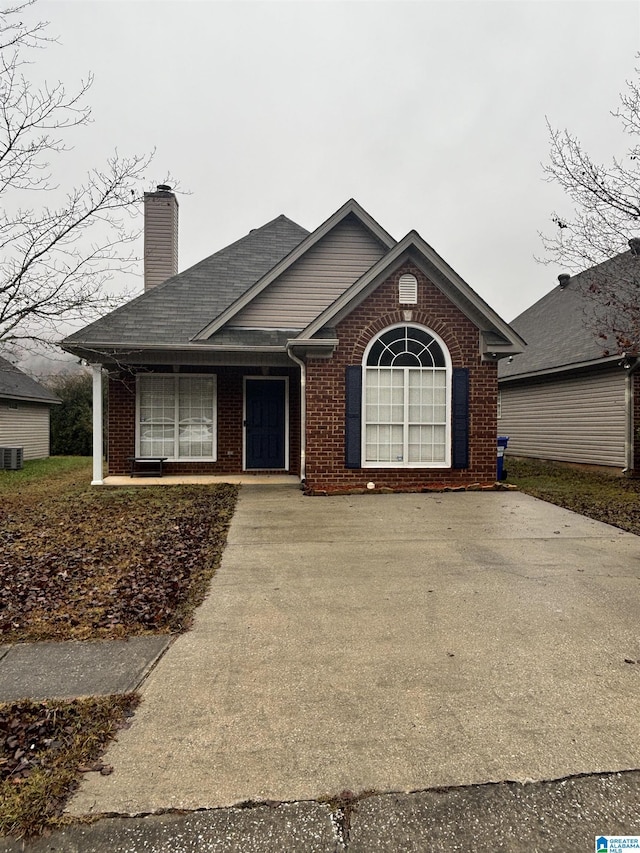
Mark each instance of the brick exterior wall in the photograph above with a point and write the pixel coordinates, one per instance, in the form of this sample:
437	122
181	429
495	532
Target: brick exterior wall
325	464
122	421
325	436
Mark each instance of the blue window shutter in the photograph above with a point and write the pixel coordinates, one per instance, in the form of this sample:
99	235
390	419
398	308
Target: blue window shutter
460	417
353	417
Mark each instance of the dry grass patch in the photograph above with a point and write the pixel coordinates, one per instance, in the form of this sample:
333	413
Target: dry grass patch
78	562
604	497
44	747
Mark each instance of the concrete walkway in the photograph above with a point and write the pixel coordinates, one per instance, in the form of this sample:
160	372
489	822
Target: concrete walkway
72	669
554	817
389	643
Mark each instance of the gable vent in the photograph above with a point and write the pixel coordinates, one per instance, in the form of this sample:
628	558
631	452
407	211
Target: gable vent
408	289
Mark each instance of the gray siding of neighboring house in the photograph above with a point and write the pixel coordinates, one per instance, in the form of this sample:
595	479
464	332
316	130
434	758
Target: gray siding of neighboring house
579	418
312	283
26	426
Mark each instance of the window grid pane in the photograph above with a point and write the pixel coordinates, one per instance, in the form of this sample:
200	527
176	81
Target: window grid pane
404	346
384	443
177	416
195	416
405	399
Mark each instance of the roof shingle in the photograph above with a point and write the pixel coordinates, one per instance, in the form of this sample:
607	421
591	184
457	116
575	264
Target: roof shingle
173	312
16	385
560	328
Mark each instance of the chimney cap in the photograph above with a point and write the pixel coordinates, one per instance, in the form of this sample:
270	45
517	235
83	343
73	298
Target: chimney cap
563	279
163	188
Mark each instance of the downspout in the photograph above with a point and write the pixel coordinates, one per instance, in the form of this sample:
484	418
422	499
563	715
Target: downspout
630	438
303	412
96	370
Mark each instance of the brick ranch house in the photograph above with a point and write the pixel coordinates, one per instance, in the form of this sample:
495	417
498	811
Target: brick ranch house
340	356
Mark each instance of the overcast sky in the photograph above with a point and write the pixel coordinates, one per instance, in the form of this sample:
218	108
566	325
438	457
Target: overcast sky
430	114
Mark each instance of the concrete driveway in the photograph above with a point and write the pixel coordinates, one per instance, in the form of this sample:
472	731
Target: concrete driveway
390	643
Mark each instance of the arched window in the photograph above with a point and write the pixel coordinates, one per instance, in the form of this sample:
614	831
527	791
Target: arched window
406	399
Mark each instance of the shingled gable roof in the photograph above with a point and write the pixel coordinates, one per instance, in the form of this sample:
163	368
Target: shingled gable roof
351	207
498	336
557	328
172	313
16	385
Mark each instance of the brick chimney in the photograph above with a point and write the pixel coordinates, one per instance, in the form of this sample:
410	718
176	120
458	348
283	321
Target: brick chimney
160	236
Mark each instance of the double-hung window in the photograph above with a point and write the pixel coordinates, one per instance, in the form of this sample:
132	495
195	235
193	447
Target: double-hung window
406	400
176	416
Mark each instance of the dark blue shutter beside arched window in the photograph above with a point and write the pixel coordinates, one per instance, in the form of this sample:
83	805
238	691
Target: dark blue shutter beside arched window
353	417
460	418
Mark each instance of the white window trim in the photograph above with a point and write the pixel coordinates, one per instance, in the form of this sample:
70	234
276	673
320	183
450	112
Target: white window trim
284	379
214	426
446	463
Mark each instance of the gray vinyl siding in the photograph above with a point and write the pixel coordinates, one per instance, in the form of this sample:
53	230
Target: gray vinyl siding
311	284
573	419
27	427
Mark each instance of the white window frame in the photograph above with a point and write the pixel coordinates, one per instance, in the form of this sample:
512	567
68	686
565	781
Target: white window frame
214	424
446	463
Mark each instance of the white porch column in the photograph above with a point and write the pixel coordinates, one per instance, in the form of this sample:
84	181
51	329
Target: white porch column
97	425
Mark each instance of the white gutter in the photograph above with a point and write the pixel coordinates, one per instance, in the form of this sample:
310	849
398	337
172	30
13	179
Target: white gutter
303	412
97	425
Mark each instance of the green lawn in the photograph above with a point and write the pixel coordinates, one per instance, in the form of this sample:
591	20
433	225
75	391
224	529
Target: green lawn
42	473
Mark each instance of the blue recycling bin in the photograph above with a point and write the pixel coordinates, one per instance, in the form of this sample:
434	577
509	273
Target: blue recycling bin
503	440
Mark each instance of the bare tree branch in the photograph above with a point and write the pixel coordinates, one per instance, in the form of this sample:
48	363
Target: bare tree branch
605	201
55	259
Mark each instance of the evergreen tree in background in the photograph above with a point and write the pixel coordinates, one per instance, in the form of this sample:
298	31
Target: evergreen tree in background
72	422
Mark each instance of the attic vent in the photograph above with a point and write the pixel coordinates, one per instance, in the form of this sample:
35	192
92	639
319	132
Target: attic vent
408	289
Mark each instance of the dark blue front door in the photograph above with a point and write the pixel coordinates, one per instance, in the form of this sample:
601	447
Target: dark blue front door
265	423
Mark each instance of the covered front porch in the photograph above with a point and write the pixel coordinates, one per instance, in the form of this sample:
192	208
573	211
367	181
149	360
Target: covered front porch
211	419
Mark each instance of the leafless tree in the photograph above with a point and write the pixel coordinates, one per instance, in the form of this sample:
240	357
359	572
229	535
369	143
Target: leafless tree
599	240
57	250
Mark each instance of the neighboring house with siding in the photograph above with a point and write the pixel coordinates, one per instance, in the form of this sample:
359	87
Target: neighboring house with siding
25	407
340	356
563	398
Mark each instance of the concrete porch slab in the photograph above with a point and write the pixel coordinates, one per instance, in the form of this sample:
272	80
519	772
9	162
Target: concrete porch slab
204	480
